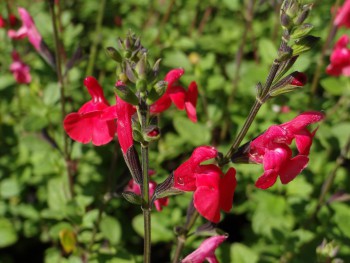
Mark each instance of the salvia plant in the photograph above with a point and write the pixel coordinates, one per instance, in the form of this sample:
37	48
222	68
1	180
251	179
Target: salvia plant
204	179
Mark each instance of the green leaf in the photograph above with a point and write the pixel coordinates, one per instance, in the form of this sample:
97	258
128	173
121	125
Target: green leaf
160	231
8	234
58	194
267	50
176	59
9	188
341	218
51	94
111	229
335	86
193	133
243	254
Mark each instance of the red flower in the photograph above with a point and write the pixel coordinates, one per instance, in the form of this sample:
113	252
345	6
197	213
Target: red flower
95	119
340	58
272	150
28	29
19	69
2	22
135	188
183	100
206	251
343	15
213	191
124	124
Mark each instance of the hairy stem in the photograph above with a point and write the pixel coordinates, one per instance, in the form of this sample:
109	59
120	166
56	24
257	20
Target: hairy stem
62	96
143	112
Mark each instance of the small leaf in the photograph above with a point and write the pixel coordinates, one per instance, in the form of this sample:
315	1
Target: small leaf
67	240
111	229
7	233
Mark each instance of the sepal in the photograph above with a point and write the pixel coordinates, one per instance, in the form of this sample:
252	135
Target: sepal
304	44
114	54
126	94
133	162
132	198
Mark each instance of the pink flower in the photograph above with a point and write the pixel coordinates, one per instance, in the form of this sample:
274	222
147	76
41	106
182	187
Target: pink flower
183	100
340	58
213	191
206	251
272	150
28	29
95	119
343	15
135	188
19	69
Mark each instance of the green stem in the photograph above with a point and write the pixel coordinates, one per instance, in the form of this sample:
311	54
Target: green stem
143	112
96	41
181	239
62	95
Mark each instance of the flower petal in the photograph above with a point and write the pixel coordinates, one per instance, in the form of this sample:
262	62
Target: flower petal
177	95
124	128
184	178
267	180
206	250
174	75
86	128
292	168
228	185
95	90
191	101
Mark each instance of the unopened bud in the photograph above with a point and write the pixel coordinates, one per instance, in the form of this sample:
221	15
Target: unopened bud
130	73
157	91
122	77
142	67
286	22
288	84
155	68
151	133
303	14
114	54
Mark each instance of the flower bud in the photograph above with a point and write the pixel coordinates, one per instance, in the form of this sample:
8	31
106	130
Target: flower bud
130	73
288	84
142	67
151	133
303	14
114	54
156	91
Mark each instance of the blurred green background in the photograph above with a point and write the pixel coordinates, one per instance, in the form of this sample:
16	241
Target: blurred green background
40	222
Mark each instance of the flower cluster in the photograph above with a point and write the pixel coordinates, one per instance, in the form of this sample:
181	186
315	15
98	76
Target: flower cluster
340	58
213	190
272	149
342	18
19	69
